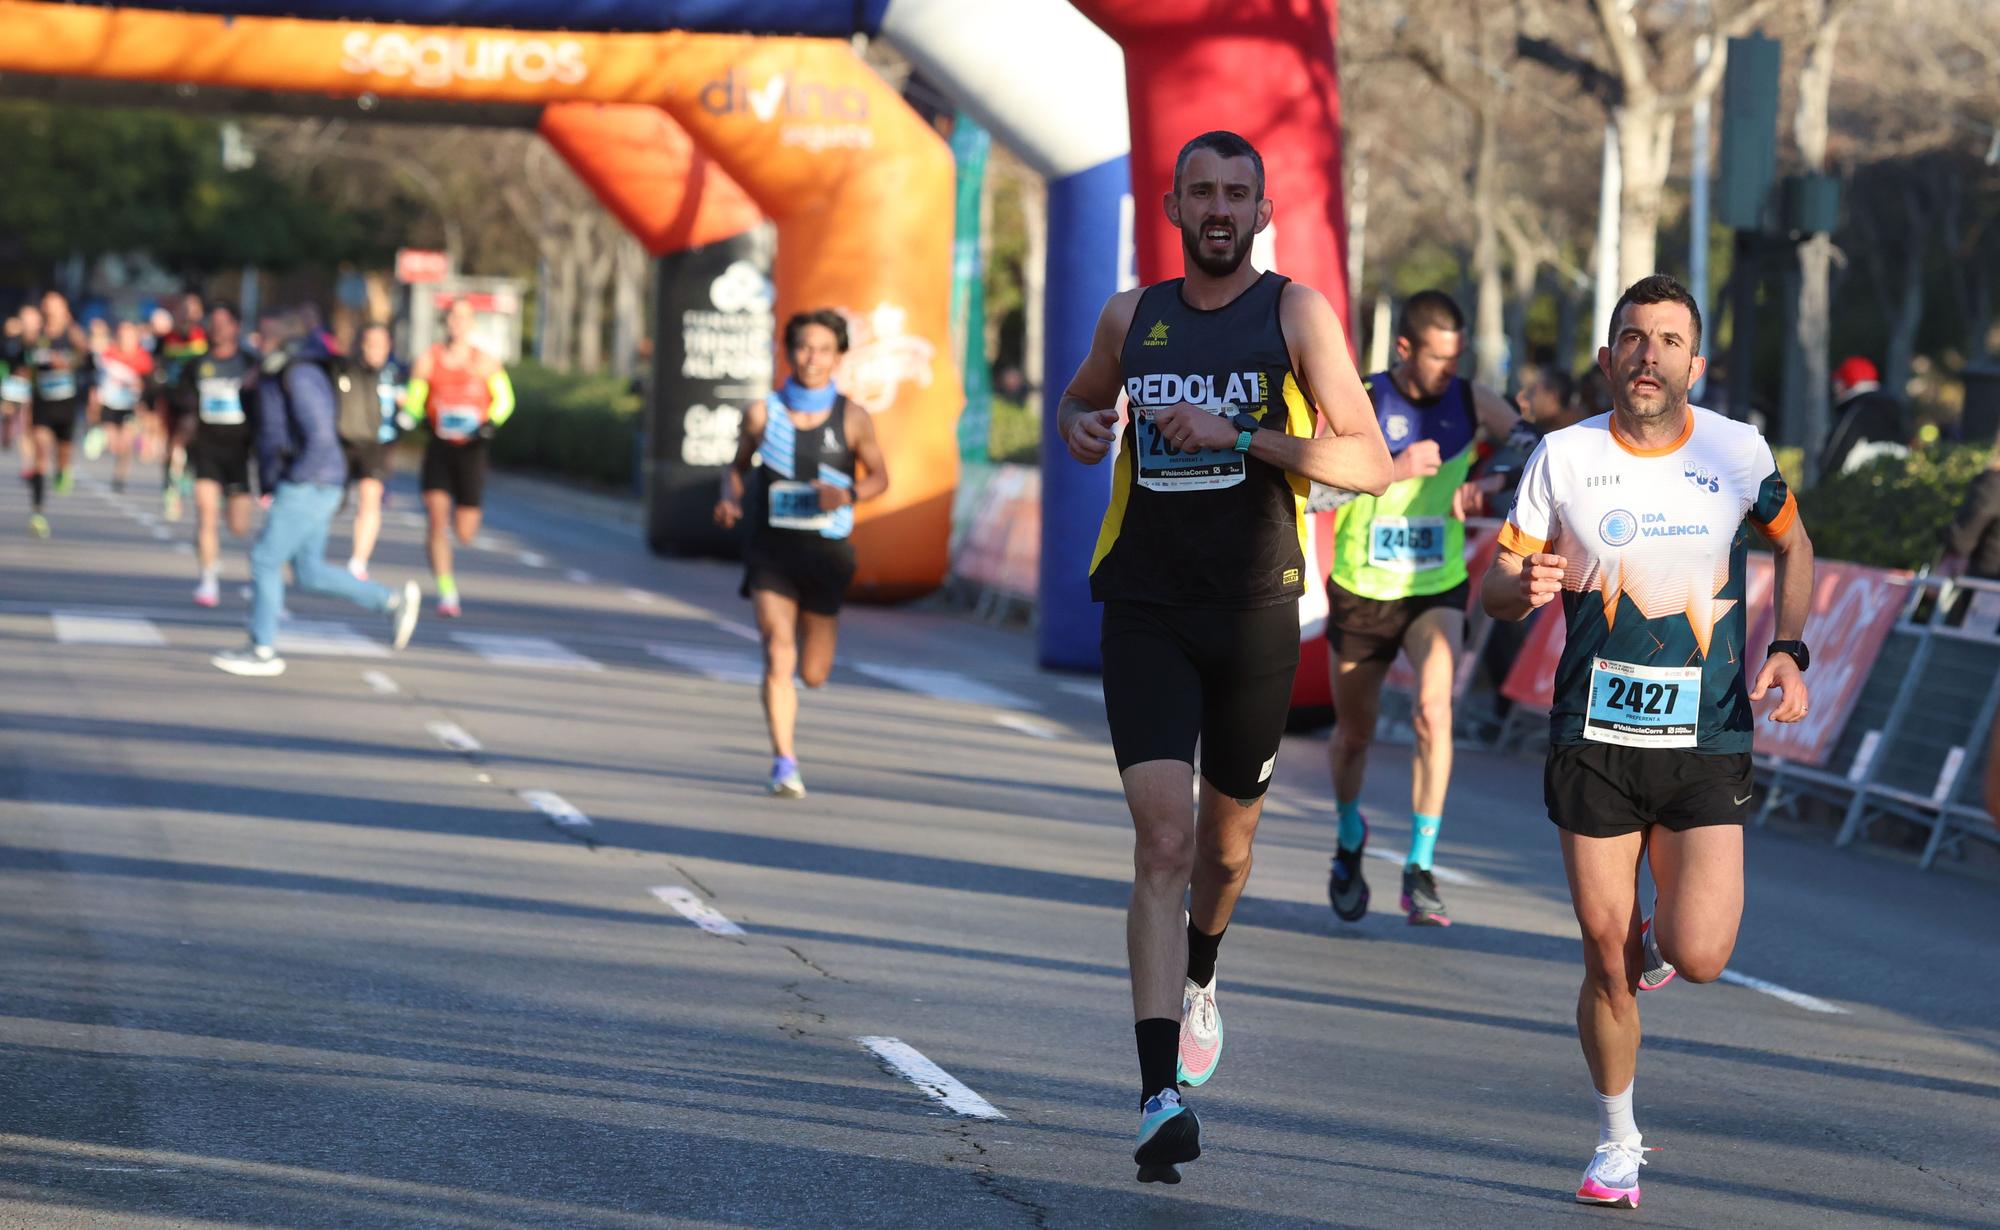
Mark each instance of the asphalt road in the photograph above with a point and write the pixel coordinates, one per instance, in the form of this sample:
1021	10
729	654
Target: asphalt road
273	954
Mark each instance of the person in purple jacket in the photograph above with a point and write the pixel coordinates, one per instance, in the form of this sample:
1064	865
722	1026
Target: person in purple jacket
299	460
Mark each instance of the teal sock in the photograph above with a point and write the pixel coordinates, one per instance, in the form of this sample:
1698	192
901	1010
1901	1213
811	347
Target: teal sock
1424	842
1352	828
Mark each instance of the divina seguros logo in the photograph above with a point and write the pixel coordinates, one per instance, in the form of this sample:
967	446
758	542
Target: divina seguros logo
433	61
810	115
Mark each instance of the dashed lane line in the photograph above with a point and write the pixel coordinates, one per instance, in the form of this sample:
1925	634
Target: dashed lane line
937	1084
556	808
454	736
1798	999
696	911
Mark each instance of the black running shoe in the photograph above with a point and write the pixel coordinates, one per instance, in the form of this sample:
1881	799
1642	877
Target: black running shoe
1421	900
1169	1136
1345	887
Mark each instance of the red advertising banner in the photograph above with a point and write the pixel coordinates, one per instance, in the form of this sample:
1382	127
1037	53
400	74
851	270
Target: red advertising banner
1531	681
1853	609
1003	542
421	265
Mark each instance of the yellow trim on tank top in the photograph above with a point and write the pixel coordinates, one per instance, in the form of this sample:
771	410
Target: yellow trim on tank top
1114	513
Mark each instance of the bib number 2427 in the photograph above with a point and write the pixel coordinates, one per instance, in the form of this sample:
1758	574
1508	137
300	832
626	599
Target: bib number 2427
1643	706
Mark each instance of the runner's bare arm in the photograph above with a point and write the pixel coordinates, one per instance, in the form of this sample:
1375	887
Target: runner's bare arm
1351	455
874	478
1497	416
1517	585
1793	584
729	507
1087	417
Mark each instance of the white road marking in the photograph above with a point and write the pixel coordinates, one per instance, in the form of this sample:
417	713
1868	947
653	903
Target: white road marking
696	911
453	736
380	682
77	628
184	548
328	637
640	596
535	651
1027	726
162	533
1798	999
533	559
721	665
740	630
556	808
944	685
484	543
1091	690
914	1066
577	576
1400	857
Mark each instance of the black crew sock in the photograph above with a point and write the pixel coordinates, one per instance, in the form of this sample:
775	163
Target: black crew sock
1202	948
1159	1055
36	483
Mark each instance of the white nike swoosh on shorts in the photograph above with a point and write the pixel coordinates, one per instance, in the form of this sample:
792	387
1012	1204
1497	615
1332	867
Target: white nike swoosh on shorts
1745	799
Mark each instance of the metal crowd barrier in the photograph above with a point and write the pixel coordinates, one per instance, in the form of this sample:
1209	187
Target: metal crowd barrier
1915	747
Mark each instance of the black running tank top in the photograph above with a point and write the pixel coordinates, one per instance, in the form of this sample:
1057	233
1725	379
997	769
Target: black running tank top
1209	528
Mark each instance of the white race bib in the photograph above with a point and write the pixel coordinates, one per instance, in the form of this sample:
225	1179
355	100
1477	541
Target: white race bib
221	400
1164	467
1643	706
56	385
458	422
16	389
795	506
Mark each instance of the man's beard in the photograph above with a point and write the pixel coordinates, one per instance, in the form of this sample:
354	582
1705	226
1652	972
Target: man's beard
1214	266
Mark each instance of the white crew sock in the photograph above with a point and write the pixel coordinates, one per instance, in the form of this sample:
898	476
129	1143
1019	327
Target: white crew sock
1614	1116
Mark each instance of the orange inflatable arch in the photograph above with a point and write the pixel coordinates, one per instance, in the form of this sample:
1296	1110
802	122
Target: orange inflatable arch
692	128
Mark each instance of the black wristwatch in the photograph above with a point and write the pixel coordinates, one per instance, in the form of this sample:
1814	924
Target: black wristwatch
1243	420
1800	654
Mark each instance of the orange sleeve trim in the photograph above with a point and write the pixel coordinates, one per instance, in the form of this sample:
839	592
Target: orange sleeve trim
1514	539
1781	523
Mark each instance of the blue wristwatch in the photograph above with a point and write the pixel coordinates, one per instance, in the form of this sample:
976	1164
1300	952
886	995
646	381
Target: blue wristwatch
1246	427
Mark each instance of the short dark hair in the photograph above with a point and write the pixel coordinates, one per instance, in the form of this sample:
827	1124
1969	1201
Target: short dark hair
826	318
1657	288
1560	382
1225	144
1429	309
224	305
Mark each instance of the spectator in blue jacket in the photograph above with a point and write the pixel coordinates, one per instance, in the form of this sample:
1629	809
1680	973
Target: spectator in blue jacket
299	460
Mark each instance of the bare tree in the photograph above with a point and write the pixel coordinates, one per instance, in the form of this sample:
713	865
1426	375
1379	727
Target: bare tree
1806	417
1644	84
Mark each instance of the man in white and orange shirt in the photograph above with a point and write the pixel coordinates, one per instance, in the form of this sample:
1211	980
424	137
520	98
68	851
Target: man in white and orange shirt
1638	519
463	395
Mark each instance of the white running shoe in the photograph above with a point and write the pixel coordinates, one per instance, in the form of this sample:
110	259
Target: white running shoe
257	661
1612	1178
357	570
1201	1033
208	591
1169	1136
403	611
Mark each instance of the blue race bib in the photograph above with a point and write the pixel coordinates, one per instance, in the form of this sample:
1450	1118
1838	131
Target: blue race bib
457	422
220	400
1164	467
55	385
1406	544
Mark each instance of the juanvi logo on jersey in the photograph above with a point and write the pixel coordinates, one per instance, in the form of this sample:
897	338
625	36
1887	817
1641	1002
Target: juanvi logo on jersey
1168	389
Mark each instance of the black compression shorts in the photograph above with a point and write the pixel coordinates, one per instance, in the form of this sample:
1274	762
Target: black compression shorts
810	570
58	418
1177	676
1607	790
457	469
221	454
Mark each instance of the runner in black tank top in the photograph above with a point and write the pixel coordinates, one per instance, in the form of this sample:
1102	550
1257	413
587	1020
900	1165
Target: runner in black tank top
59	372
1199	565
816	459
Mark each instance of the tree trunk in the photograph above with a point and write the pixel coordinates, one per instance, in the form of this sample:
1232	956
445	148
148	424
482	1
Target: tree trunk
1490	325
628	304
595	240
1569	312
1807	412
1909	317
1645	148
558	299
1034	277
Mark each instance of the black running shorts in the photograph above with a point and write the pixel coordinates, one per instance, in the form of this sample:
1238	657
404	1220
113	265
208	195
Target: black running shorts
457	469
1176	676
221	454
1607	790
58	418
368	460
811	570
1373	629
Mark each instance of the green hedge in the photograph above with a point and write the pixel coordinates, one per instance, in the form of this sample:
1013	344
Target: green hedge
583	427
1890	512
